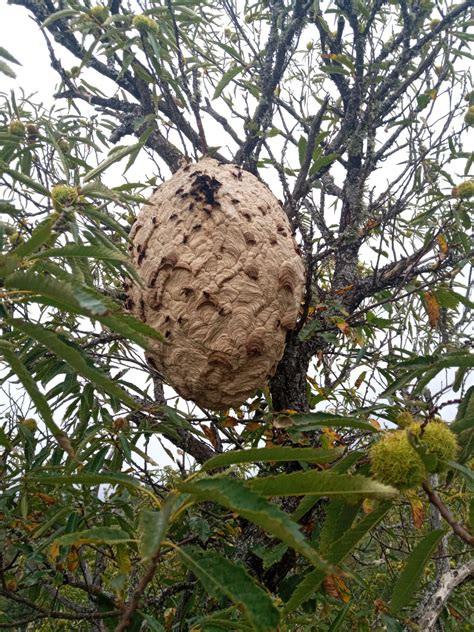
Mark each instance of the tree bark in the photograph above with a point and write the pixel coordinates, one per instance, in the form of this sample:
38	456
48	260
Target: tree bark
432	607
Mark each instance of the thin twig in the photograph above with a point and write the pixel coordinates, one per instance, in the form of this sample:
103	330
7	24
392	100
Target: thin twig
457	528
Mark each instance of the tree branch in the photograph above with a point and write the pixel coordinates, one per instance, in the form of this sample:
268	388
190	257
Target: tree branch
457	528
448	582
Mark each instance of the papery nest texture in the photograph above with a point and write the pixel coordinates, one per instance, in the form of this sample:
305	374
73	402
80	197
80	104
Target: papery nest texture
223	281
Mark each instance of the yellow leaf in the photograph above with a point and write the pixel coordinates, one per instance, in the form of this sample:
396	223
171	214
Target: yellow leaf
210	434
360	379
53	552
344	327
443	247
417	511
252	426
432	308
368	505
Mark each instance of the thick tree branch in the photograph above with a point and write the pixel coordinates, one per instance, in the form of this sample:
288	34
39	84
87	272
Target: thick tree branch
448	582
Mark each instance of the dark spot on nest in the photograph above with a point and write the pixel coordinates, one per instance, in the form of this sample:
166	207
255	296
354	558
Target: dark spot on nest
187	291
197	227
185	239
167	333
167	319
180	190
187	168
129	304
154	276
191	206
153	221
174	216
141	256
235	201
205	186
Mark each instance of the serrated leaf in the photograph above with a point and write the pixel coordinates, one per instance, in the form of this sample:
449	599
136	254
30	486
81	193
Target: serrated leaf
238	497
221	576
324	161
21	177
39	400
59	15
40	234
339	550
8	56
89	479
153	528
302	144
316	483
77	250
408	580
76	359
310	421
95	535
6	70
226	79
68	296
264	455
115	156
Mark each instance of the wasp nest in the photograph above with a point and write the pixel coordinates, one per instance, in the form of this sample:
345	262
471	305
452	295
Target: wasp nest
223	281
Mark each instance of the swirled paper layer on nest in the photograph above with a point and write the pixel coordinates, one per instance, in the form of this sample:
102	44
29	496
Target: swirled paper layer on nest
223	281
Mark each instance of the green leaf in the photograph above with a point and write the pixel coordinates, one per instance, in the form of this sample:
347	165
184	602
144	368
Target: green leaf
20	177
59	15
221	576
264	455
339	518
341	615
75	358
226	79
95	535
317	483
447	298
8	56
39	235
89	479
153	528
302	144
324	161
75	298
153	624
77	250
115	156
311	421
465	408
39	400
465	472
236	496
408	580
335	555
6	70
4	440
333	69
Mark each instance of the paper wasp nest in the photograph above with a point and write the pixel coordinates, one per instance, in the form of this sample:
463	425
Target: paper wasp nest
223	281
